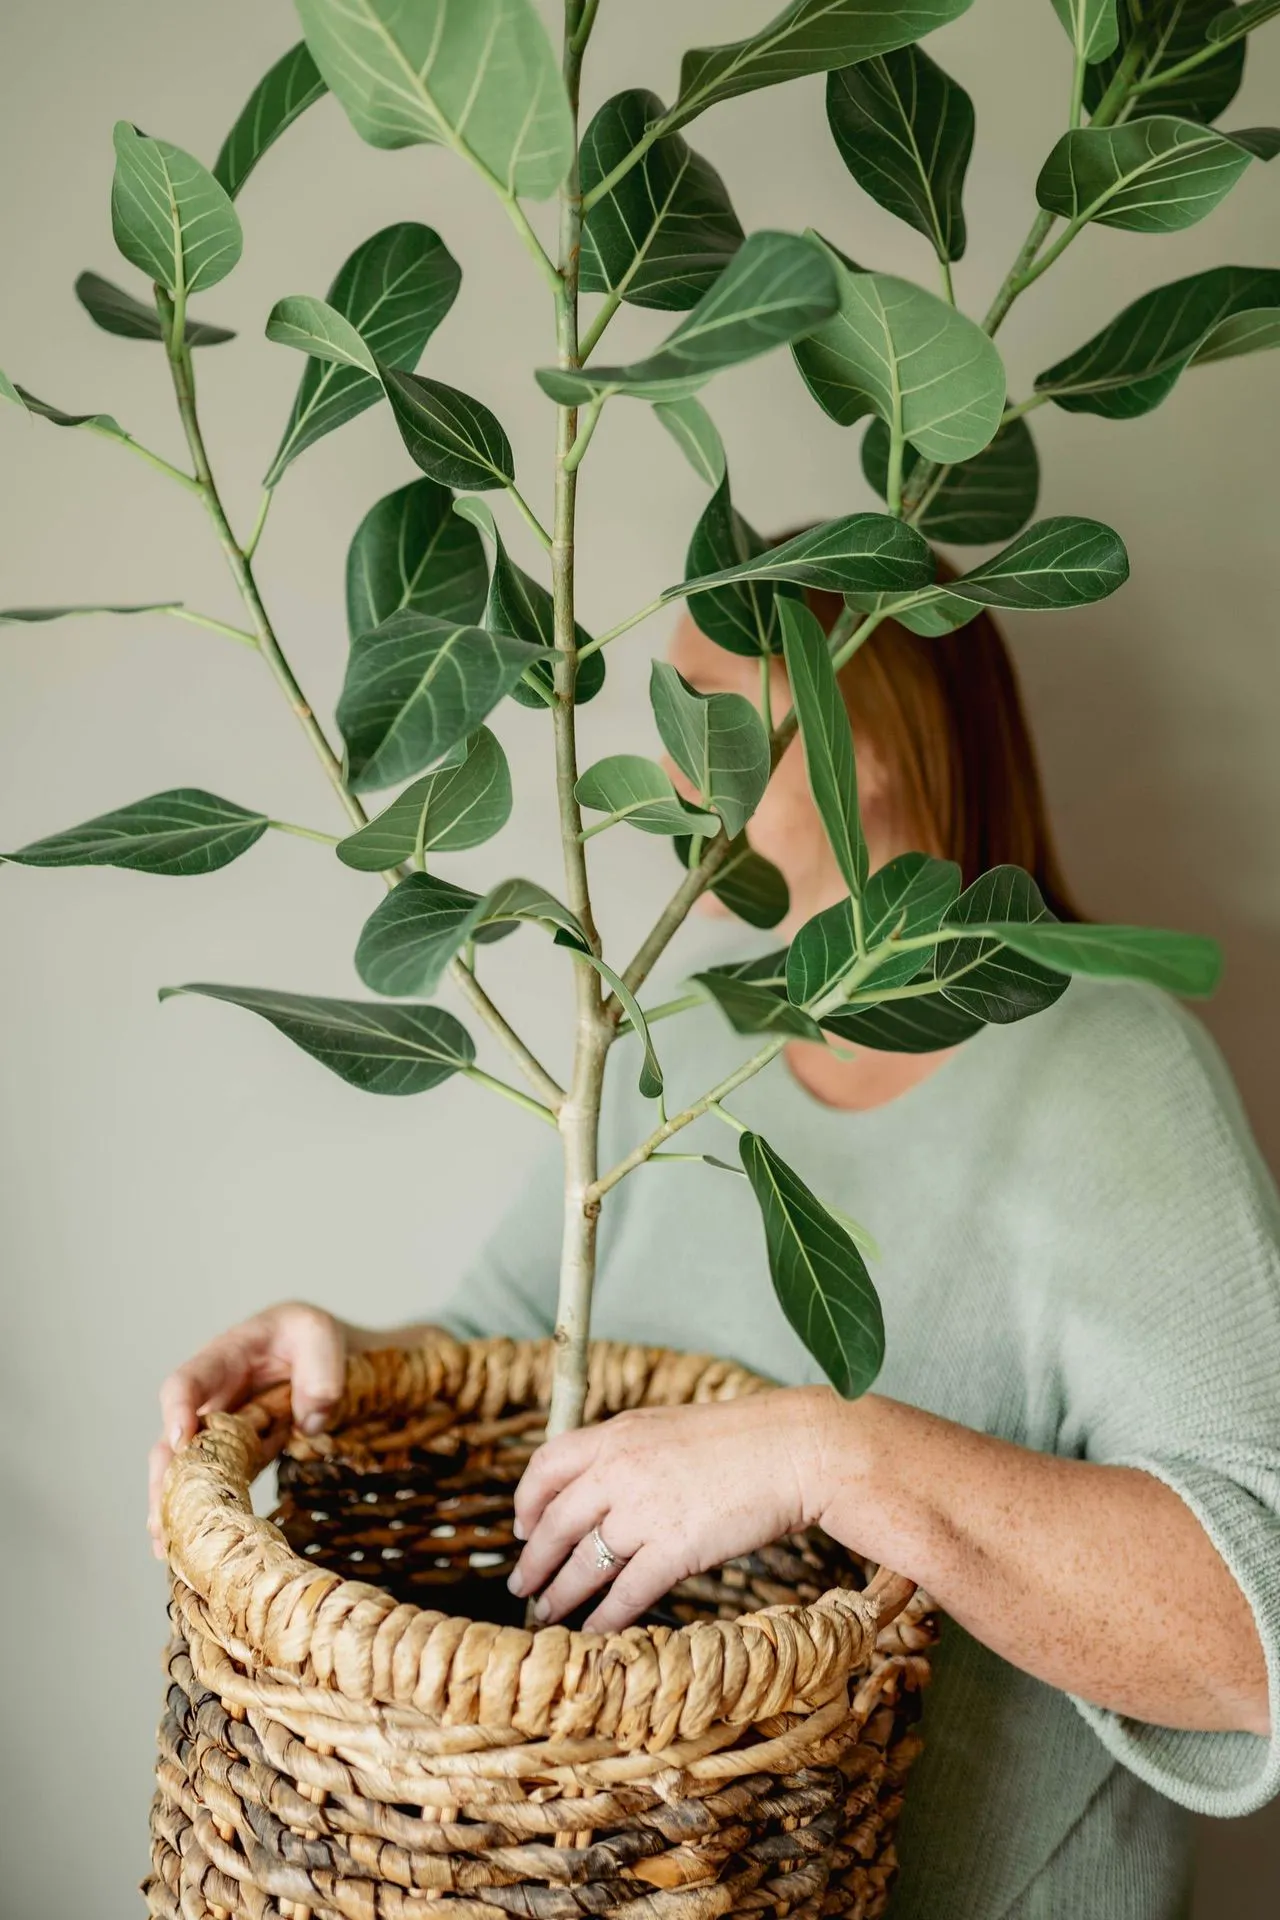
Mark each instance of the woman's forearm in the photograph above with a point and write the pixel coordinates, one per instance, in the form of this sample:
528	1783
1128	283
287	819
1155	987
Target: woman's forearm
1098	1580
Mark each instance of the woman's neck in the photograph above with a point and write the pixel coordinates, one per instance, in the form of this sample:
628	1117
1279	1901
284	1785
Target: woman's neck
856	1079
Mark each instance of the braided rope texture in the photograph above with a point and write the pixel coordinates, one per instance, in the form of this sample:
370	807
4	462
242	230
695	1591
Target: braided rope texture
337	1746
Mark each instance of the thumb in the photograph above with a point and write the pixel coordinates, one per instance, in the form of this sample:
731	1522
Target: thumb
319	1369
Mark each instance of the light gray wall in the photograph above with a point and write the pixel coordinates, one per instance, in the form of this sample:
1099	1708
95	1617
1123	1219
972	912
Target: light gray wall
166	1171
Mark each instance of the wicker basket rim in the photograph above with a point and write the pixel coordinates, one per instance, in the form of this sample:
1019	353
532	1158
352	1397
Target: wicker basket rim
274	1611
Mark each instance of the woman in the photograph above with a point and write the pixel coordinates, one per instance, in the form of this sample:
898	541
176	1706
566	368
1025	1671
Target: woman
1075	1443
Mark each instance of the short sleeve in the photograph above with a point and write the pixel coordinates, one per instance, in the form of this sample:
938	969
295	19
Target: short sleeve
1170	1351
511	1288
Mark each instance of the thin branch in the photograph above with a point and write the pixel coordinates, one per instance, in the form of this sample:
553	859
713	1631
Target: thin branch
508	1092
590	421
1024	406
264	508
623	626
678	1121
529	516
595	332
305	833
194	619
464	978
652	134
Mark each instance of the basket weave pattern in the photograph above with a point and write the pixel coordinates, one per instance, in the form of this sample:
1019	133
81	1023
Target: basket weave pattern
337	1748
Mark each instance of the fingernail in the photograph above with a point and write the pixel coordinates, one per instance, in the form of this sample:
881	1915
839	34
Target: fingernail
518	1530
515	1583
540	1609
312	1422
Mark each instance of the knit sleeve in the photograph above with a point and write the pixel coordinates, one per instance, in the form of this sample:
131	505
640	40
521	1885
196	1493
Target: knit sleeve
1170	1349
511	1288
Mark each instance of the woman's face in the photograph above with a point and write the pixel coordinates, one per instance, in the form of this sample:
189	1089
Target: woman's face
785	827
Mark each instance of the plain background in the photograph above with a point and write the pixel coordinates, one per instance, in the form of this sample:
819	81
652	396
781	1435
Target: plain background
168	1170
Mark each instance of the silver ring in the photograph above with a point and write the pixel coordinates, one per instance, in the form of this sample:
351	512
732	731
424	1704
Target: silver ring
605	1556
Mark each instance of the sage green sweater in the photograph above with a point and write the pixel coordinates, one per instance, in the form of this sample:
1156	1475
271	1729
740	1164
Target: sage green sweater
1079	1253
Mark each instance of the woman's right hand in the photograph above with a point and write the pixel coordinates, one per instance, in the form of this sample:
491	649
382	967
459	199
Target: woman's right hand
294	1342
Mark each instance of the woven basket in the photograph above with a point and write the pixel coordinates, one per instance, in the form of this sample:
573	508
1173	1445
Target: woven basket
335	1747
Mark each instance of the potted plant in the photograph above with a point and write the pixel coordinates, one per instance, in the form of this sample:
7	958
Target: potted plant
327	1735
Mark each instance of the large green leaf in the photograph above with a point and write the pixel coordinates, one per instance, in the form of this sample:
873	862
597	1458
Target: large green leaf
717	740
926	1025
660	236
984	975
696	435
1058	563
777	287
415	687
863	553
393	292
746	883
449	435
521	606
412	552
755	1009
907	897
1173	31
1148	176
410	938
169	215
976	503
444	812
904	129
819	1276
116	311
475	75
1183	963
1139	357
827	733
894	350
1092	28
379	1049
821	954
741	617
809	36
627	787
37	616
286	90
1235	22
183	831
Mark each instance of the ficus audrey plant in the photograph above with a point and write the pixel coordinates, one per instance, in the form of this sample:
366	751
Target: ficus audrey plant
445	624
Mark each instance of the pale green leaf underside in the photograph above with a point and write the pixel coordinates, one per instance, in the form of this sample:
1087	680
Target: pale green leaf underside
627	787
1235	22
696	435
1181	963
1148	176
717	740
862	553
169	215
444	812
411	936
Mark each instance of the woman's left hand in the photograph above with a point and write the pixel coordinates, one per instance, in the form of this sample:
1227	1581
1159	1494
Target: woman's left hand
672	1491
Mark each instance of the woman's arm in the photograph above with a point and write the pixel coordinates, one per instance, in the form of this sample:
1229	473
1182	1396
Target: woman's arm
1098	1580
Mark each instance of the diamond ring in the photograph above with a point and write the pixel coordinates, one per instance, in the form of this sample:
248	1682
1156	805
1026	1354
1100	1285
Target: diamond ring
605	1556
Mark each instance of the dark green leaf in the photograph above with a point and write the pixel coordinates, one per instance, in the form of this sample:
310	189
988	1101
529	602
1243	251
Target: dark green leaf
521	606
475	75
821	954
455	807
809	36
448	434
976	503
1092	28
1182	963
410	938
379	1049
1236	22
286	90
1058	563
628	787
105	423
415	687
394	291
863	553
412	552
183	831
741	617
696	435
926	1025
905	131
718	741
1174	30
169	215
827	733
819	1276
755	1009
776	288
932	375
985	976
33	616
116	311
1138	358
747	884
663	233
907	897
1148	176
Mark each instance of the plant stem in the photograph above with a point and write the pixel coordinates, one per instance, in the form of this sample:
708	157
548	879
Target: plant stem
528	515
595	332
582	439
678	1121
264	508
893	484
462	974
948	285
305	833
1024	406
508	1092
155	460
1012	283
651	135
194	619
623	626
1078	71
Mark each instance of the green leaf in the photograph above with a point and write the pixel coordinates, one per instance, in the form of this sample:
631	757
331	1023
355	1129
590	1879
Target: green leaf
663	233
475	75
628	787
717	740
116	311
379	1049
1057	563
31	616
411	936
741	617
180	832
415	687
904	129
926	1025
809	36
393	291
827	733
909	896
93	422
750	1008
314	327
821	954
1174	31
1092	28
932	375
412	552
521	606
863	553
169	215
448	434
776	288
1236	22
976	503
284	92
651	1081
819	1276
1138	358
1183	963
1148	176
747	884
444	812
985	976
696	435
